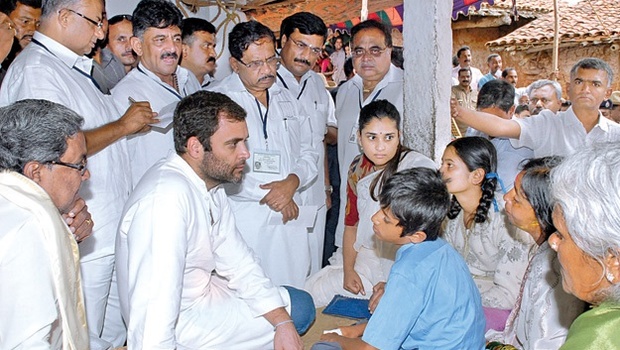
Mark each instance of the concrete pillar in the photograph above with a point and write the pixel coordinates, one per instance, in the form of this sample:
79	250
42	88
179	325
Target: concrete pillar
427	41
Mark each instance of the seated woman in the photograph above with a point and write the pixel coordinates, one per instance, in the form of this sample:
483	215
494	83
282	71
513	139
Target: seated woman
543	313
496	253
363	262
586	190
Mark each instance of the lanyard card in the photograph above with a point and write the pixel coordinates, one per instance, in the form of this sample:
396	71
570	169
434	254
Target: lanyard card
266	161
353	135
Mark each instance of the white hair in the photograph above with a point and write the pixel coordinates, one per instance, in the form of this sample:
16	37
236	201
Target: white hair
586	186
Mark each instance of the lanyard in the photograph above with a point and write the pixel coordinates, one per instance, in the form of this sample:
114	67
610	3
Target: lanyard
263	118
162	85
286	86
73	67
373	99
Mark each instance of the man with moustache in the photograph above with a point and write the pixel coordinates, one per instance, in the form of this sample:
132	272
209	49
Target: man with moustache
53	67
187	278
26	15
494	61
545	94
464	57
157	79
283	160
376	78
302	36
199	49
510	75
465	95
120	30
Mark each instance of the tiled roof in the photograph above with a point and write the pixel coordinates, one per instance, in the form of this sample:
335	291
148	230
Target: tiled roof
585	23
525	8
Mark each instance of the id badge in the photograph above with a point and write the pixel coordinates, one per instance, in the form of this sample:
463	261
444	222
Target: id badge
353	135
266	162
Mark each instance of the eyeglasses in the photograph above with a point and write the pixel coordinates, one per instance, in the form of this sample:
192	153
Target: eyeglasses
99	24
303	46
79	167
273	62
373	51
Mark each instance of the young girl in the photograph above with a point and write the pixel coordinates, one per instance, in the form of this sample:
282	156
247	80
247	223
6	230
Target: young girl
363	262
496	253
544	311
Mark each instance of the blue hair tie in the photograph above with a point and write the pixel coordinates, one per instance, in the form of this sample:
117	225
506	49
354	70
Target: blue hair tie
501	185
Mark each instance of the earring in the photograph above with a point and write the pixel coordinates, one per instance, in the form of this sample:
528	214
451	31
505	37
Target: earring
610	277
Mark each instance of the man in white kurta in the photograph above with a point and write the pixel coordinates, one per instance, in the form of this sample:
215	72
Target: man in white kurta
155	81
187	280
53	68
283	160
41	299
376	78
302	36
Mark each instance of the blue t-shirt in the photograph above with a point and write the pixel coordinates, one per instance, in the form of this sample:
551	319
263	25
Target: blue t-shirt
430	302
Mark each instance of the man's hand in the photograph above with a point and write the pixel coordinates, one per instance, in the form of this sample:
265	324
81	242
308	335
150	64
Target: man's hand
138	118
377	292
290	212
353	282
286	338
454	108
79	220
280	192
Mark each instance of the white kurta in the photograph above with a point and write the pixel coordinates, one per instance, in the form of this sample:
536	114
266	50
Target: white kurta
496	253
284	250
48	70
545	312
349	102
562	134
375	257
143	85
318	105
41	300
186	278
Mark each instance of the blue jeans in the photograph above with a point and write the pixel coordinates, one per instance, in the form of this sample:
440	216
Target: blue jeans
303	311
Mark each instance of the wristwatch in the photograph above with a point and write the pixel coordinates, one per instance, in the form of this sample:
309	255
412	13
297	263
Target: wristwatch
329	189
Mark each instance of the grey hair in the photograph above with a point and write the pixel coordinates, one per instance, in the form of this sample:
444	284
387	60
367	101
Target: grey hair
49	7
593	63
586	186
35	130
543	82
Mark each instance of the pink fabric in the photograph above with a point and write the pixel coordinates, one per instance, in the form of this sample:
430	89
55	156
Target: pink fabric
496	318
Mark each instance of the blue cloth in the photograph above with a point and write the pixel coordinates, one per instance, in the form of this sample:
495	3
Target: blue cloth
430	302
509	160
303	311
485	79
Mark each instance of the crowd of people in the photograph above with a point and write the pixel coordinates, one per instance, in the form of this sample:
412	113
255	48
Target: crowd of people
147	204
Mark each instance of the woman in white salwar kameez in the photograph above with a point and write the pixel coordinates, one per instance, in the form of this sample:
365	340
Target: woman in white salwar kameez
364	261
544	311
496	252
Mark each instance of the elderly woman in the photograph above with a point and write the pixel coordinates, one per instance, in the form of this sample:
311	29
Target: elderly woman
543	313
586	188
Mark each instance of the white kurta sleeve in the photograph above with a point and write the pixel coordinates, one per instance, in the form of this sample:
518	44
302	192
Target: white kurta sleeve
306	166
157	248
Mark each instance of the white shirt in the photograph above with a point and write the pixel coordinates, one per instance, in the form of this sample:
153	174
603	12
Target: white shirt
186	278
288	135
562	134
496	253
143	85
349	102
48	70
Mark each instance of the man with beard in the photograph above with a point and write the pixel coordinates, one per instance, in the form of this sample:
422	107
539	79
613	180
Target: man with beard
199	49
545	94
464	94
53	67
284	161
120	31
158	78
186	277
26	15
302	36
377	78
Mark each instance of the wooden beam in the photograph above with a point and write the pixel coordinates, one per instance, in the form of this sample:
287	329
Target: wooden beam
482	22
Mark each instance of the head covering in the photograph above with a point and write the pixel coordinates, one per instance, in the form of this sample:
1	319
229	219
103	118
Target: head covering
606	104
615	98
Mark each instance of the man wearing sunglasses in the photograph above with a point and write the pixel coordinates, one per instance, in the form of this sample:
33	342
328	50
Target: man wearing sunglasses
302	36
53	67
283	161
42	166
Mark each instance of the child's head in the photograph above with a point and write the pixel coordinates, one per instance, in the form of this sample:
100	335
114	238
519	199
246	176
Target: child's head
469	164
414	203
522	111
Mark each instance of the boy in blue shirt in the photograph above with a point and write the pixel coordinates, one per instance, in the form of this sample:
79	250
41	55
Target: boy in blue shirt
430	299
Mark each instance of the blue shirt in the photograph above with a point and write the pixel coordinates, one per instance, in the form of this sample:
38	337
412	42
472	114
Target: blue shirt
430	302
